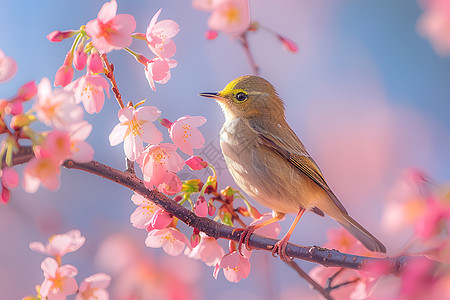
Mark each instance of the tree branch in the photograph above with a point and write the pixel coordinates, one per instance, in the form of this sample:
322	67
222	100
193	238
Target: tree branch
325	257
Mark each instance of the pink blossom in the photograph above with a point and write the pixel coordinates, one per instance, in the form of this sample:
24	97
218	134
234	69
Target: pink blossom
235	267
27	91
158	70
272	230
10	180
159	36
58	36
171	184
208	250
185	135
89	90
134	129
8	67
110	31
157	160
58	144
211	34
342	240
94	63
60	244
196	163
94	287
143	214
170	239
433	219
79	57
160	220
64	74
59	281
56	108
204	5
41	169
201	207
230	16
434	24
81	151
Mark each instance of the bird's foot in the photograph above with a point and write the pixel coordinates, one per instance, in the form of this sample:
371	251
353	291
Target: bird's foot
280	249
245	237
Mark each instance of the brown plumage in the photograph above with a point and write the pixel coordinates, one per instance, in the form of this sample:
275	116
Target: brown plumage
269	162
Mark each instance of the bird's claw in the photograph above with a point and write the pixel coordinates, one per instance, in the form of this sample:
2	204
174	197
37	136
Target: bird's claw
245	237
280	249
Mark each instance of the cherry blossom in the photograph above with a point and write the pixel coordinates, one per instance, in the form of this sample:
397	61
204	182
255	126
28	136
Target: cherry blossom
134	129
160	220
94	63
79	57
208	250
185	135
110	31
196	163
10	180
59	281
8	67
171	184
58	36
57	143
159	36
158	70
89	90
201	207
41	169
235	267
56	108
60	244
434	24
142	215
272	230
94	287
157	160
170	239
230	16
64	74
81	151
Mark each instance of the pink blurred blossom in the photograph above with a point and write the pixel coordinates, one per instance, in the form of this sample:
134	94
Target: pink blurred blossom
10	180
434	24
60	244
185	135
158	70
211	34
208	250
89	90
110	31
81	151
157	160
27	91
56	108
94	287
142	215
8	67
204	5
159	36
59	281
272	230
41	169
171	184
434	219
94	63
230	16
235	267
79	57
134	129
58	144
170	239
64	74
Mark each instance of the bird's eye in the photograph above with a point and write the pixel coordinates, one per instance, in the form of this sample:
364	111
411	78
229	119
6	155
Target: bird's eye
241	96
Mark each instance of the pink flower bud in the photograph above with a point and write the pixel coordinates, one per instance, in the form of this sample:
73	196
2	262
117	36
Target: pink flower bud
94	63
10	178
58	36
64	74
15	107
160	219
201	207
27	91
254	213
211	34
164	122
80	58
196	163
195	240
288	44
211	210
5	195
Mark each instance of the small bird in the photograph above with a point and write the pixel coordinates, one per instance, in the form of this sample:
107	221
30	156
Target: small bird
269	162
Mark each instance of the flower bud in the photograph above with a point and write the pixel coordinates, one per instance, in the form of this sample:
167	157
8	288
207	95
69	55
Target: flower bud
211	210
254	213
196	163
211	34
211	185
201	207
243	211
192	186
288	44
94	63
14	107
58	36
80	57
27	91
20	120
195	240
64	74
165	122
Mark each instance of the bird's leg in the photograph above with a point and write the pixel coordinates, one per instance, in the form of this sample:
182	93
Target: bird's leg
247	232
280	246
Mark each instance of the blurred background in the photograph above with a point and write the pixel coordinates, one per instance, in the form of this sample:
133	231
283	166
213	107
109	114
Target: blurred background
368	96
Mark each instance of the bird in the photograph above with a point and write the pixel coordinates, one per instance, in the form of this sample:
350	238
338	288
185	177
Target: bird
269	162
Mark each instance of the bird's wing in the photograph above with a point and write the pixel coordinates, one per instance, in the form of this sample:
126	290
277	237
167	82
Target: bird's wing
302	161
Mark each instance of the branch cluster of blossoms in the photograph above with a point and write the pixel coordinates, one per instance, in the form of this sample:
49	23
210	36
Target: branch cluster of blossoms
232	17
417	208
59	280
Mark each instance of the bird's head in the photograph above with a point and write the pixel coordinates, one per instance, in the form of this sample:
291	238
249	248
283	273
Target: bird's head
248	97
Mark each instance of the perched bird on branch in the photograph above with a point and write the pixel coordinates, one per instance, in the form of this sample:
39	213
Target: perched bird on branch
269	162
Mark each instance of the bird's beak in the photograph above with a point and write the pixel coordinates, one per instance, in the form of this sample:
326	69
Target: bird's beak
214	95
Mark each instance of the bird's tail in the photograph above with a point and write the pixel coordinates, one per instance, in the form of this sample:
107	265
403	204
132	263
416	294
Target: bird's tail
359	232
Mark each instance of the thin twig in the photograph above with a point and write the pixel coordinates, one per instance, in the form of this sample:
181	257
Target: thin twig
325	293
110	75
248	53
